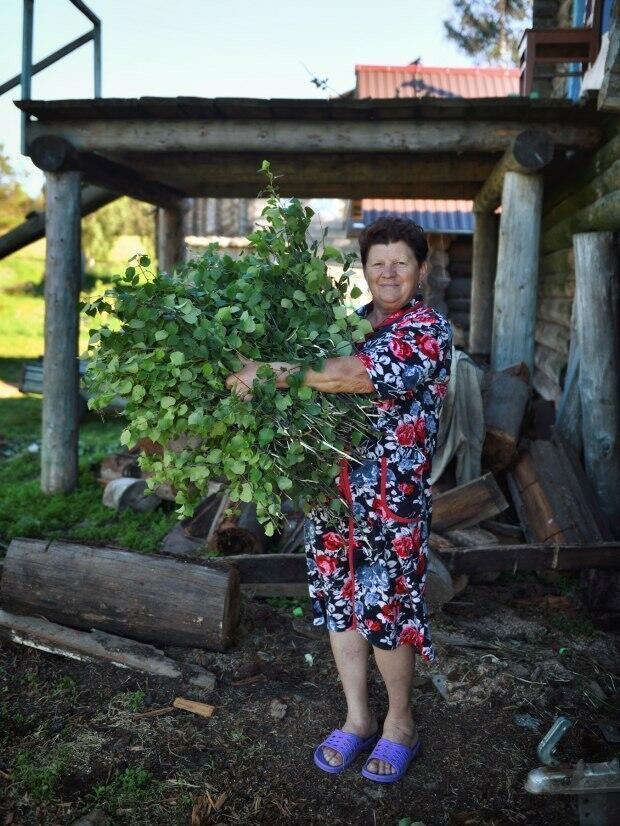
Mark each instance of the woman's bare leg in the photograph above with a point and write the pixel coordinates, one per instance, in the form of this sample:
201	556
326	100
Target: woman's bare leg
350	651
397	668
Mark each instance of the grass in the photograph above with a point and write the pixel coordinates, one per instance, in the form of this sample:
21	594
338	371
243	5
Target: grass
38	775
133	785
25	510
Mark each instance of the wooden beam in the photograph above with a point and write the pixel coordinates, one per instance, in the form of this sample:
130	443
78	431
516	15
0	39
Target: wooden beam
92	198
59	419
170	237
514	307
482	282
468	504
268	136
530	151
596	269
52	153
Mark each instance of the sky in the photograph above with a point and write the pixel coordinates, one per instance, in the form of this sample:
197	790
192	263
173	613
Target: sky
216	48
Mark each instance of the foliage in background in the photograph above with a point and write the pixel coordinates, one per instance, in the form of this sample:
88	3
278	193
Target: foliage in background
490	29
15	203
122	217
172	339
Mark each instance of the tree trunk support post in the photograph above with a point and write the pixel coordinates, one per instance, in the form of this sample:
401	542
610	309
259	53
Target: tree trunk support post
482	282
516	283
59	423
170	236
596	296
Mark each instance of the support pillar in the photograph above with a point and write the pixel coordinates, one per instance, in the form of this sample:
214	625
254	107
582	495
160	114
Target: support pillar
516	283
170	235
482	282
596	296
59	423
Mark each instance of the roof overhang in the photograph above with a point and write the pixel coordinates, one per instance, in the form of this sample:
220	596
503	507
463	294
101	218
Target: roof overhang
427	148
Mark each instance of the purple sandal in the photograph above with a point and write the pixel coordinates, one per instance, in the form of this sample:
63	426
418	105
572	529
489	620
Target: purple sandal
396	755
348	745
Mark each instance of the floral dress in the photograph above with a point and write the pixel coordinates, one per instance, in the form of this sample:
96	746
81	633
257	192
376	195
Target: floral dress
367	570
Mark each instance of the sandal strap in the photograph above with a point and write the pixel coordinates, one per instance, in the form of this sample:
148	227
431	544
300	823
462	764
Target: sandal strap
395	754
344	742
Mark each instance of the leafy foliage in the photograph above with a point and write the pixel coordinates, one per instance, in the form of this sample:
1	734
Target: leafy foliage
489	28
122	217
14	200
170	340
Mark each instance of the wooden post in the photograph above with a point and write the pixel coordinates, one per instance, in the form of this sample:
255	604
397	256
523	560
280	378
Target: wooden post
596	295
170	236
59	424
568	418
482	281
514	306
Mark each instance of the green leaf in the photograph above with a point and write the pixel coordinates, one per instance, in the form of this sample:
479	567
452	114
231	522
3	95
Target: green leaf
299	296
286	303
167	401
265	435
125	387
177	357
284	483
246	493
340	312
237	467
305	393
138	393
160	335
355	293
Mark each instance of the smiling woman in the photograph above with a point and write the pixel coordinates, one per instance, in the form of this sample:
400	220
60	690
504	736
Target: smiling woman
367	571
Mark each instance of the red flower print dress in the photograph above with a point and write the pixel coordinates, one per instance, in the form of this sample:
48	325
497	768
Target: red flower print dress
368	570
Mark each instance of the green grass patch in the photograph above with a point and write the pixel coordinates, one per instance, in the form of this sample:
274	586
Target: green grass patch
38	775
134	785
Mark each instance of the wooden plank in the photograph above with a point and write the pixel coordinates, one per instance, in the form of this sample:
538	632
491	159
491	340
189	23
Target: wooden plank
483	282
145	597
514	307
551	335
59	416
97	646
269	135
596	264
170	237
468	504
555	310
535	557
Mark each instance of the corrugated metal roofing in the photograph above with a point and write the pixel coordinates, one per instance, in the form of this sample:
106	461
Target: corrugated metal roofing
433	215
417	81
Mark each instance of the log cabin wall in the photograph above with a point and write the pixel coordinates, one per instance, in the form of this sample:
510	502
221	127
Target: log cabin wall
588	177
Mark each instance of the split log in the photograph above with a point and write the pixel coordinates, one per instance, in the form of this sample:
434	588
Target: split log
468	504
240	534
554	502
505	394
127	492
94	646
143	597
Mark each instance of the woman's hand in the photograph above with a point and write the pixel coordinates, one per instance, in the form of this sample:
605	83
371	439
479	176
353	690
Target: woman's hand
241	381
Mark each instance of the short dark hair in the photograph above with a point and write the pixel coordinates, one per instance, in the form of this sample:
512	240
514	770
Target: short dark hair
390	229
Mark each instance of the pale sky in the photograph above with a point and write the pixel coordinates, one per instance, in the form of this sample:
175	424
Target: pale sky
216	48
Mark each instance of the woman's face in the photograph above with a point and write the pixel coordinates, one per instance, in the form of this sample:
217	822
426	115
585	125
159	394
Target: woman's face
393	275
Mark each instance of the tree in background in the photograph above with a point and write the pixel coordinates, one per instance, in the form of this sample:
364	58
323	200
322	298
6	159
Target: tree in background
122	217
490	28
15	203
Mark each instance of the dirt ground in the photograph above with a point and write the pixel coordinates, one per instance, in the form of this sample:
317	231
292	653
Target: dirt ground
74	738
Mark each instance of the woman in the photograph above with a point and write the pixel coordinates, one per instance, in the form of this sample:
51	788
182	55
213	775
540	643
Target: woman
367	572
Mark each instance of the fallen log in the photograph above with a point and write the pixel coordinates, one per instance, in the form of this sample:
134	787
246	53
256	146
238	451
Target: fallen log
468	504
127	492
241	533
94	646
505	395
145	597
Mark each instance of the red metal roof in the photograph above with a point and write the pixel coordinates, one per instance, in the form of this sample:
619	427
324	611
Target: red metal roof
416	81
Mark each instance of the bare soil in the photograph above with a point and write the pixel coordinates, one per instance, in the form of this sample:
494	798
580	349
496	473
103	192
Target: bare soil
251	762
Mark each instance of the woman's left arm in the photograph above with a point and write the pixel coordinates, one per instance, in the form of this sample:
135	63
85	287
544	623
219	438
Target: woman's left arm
345	374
